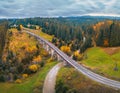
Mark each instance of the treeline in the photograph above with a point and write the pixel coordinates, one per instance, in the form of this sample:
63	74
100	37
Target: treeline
107	33
3	31
78	32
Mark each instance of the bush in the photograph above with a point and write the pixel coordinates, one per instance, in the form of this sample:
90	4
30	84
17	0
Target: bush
27	71
66	49
15	77
77	56
74	57
42	63
2	78
18	81
61	87
50	60
72	91
20	68
25	75
44	53
37	59
33	67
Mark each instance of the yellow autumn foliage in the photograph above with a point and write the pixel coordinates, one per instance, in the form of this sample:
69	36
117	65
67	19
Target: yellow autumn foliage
20	45
37	27
31	49
76	53
33	67
37	59
24	75
110	22
44	53
21	27
98	25
18	81
65	49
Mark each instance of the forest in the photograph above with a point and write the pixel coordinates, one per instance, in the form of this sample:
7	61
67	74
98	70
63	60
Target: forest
22	56
72	35
79	33
3	31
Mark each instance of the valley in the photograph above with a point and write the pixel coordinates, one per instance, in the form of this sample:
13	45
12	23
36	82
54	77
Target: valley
24	59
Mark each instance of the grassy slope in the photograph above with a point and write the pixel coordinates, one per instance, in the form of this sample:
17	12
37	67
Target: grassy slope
42	34
101	62
29	84
19	41
75	80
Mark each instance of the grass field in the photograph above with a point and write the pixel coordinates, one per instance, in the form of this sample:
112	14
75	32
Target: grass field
101	62
42	34
32	84
78	83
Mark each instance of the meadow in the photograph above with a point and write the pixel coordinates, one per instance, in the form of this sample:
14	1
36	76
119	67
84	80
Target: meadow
69	80
103	61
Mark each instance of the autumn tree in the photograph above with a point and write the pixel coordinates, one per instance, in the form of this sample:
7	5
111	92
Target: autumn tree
37	59
77	55
20	27
106	43
66	49
33	68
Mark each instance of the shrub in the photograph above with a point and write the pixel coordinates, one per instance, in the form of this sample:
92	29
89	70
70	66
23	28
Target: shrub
45	54
66	49
25	75
42	63
15	77
20	68
27	71
2	78
37	59
72	91
50	60
77	56
18	81
33	67
61	87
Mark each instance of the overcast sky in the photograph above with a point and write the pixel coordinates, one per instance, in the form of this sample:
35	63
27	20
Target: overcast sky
50	8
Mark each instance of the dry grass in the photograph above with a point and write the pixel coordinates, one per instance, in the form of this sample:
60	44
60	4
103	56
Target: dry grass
42	34
74	80
111	50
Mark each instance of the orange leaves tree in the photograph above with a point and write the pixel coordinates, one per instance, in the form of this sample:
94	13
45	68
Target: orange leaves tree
106	43
20	27
66	49
77	55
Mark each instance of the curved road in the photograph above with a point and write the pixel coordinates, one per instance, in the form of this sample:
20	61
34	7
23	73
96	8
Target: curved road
50	80
85	71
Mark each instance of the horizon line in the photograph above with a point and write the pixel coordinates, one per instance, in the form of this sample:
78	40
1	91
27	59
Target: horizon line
92	14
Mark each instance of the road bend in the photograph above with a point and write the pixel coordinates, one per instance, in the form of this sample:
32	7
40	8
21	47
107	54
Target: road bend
50	80
80	68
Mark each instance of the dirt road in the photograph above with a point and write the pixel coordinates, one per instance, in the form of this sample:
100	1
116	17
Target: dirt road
50	80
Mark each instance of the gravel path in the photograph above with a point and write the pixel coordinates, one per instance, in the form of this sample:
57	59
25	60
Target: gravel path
50	80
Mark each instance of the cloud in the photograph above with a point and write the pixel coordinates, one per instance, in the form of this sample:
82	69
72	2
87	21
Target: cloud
35	8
